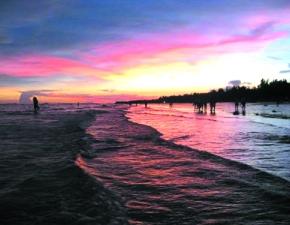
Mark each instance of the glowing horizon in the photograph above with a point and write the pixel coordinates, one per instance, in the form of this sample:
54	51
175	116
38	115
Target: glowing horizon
104	52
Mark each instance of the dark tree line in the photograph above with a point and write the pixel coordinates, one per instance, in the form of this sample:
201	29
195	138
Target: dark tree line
276	90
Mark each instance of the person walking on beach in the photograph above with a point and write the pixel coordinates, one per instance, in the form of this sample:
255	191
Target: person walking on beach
35	104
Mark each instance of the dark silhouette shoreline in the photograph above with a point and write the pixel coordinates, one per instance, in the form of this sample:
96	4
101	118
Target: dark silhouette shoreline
277	91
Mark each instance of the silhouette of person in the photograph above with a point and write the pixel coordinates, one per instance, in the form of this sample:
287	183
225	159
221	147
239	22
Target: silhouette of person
200	106
204	106
212	105
35	104
236	106
243	103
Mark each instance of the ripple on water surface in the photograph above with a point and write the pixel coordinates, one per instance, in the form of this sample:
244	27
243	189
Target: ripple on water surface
164	183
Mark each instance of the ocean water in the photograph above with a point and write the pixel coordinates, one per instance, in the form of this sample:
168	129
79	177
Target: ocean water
40	182
261	138
97	164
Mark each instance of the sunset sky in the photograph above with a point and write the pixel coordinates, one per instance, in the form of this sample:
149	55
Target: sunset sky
102	51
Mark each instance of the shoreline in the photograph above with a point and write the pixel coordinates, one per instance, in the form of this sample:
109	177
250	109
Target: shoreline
155	176
250	139
203	154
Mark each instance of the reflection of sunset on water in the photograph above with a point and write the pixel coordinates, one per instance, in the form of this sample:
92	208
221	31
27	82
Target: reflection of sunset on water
159	181
244	139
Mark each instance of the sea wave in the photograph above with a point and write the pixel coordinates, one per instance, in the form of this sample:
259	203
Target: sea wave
161	182
40	181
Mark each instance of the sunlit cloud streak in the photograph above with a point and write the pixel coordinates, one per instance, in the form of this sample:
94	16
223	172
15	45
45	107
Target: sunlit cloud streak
285	71
114	57
43	65
56	95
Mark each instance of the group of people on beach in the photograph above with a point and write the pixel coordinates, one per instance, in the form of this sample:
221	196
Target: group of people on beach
201	106
243	105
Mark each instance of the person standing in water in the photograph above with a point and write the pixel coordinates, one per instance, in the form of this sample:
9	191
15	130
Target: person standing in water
236	106
212	105
243	103
236	112
35	104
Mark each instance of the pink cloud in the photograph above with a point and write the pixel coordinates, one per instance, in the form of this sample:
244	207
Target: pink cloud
157	48
280	17
43	65
117	56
